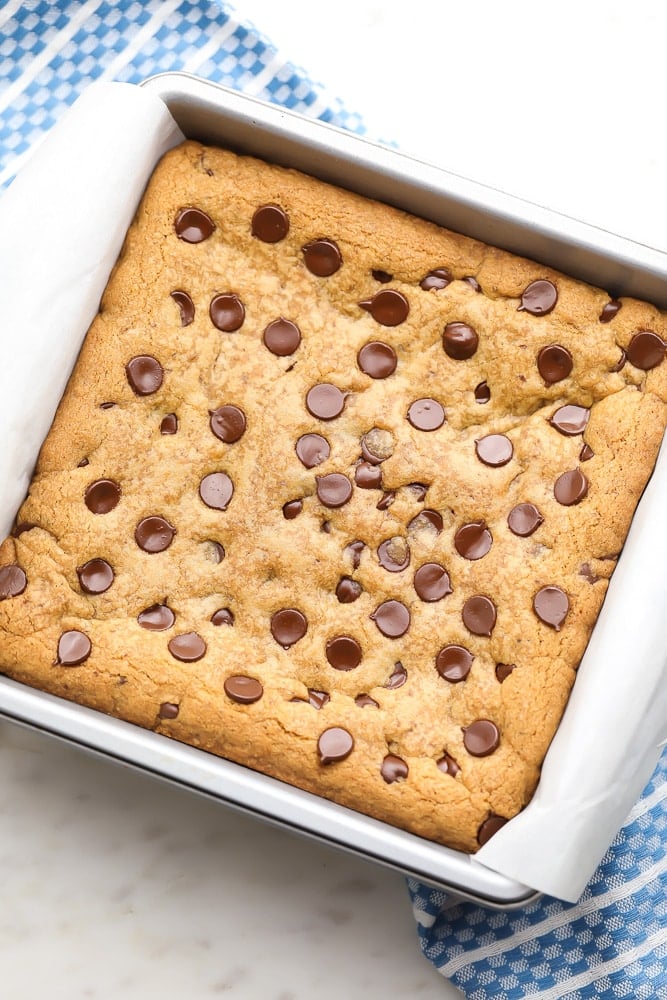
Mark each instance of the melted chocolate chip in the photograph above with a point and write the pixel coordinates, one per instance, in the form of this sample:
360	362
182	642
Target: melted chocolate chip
334	745
479	615
157	618
154	534
188	647
95	576
216	490
13	581
348	590
494	450
397	678
312	450
292	509
353	551
318	699
169	424
334	489
387	500
382	276
145	374
22	527
343	652
418	490
426	414
392	619
377	359
586	453
227	312
365	701
539	297
393	769
431	582
448	765
503	670
554	363
646	350
489	827
481	738
620	364
228	423
325	401
473	282
439	278
460	341
388	307
223	616
186	306
322	257
74	648
610	310
431	520
571	487
394	554
587	573
270	224
168	710
453	663
482	393
551	606
192	225
524	519
368	477
288	626
242	689
102	496
570	419
473	540
282	337
377	446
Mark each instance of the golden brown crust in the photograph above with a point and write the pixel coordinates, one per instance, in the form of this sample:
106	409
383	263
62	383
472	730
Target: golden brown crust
271	562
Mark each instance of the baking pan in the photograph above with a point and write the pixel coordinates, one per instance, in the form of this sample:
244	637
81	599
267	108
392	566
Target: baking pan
213	114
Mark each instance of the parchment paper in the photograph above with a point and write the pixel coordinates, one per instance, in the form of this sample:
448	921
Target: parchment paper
62	223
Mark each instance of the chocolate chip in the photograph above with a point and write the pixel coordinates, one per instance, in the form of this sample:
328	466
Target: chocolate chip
242	689
386	501
382	276
491	825
22	527
473	282
439	278
83	463
431	582
571	487
322	257
377	446
288	626
343	652
270	223
192	225
418	490
397	678
74	648
377	359
473	540
154	534
325	401
393	769
228	423
348	590
318	699
223	616
448	765
479	615
494	450
102	496
388	307
610	310
145	374
107	406
460	341
646	350
334	489
481	738
169	424
95	576
551	606
620	364
334	745
216	490
312	450
186	306
13	581
227	312
570	419
539	297
587	573
503	670
554	363
168	710
188	647
453	663
429	520
157	618
282	337
586	453
426	414
368	477
482	393
214	552
394	554
365	701
353	551
524	519
392	619
292	509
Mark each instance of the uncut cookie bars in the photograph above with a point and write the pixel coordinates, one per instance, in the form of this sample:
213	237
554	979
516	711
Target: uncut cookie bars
335	494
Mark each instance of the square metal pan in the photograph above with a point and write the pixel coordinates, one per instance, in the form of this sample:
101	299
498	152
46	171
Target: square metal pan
214	114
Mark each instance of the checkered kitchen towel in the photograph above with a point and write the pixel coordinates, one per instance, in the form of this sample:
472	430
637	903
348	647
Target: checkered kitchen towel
613	943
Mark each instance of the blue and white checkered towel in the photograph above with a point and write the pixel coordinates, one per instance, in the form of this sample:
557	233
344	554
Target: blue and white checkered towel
613	942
